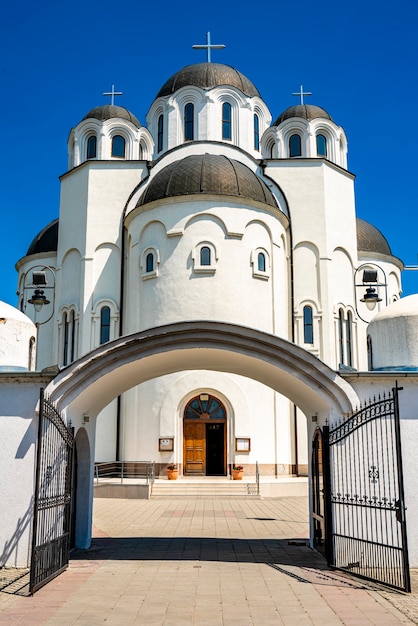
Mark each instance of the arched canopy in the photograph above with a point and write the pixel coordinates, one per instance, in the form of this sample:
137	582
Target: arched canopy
89	384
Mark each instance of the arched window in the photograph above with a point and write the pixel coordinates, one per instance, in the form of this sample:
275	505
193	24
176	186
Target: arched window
295	146
369	353
307	324
189	122
72	330
226	121
160	137
31	360
104	324
321	145
256	132
205	256
341	334
348	338
206	407
66	329
118	147
91	147
261	262
149	262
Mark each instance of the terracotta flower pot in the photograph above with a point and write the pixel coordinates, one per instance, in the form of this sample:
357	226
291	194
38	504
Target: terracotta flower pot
172	474
237	474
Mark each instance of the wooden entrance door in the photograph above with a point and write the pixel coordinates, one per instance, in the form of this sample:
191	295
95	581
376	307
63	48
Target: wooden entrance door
195	448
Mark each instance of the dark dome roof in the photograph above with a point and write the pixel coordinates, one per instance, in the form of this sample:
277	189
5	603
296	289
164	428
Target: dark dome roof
207	76
370	239
46	240
207	174
108	111
307	111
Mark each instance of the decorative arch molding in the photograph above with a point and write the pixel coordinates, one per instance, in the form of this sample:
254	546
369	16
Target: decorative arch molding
87	386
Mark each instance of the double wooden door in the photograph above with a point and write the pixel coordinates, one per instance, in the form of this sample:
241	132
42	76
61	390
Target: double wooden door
204	448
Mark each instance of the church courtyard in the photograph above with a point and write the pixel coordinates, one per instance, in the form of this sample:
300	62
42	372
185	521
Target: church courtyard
207	561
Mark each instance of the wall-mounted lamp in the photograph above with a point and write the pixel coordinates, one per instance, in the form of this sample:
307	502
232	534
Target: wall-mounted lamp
371	283
38	300
86	419
41	278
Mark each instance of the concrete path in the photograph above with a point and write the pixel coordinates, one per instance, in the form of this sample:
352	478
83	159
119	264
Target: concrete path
225	562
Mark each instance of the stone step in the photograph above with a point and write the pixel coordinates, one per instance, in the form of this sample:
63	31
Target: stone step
228	489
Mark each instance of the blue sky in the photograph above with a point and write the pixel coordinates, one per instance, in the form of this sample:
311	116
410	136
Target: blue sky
358	59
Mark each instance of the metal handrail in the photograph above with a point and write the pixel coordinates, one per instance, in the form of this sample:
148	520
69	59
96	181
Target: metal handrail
125	469
257	477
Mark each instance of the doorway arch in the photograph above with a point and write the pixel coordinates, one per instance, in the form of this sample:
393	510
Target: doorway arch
204	436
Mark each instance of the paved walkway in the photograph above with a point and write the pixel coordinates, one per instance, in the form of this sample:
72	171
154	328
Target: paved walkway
225	562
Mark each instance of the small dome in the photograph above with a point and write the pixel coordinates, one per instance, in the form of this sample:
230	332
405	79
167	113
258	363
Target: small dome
10	313
370	239
207	174
208	76
306	111
46	240
394	336
109	111
17	335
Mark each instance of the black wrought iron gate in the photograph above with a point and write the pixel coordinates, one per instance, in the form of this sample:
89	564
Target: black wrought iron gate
364	494
52	507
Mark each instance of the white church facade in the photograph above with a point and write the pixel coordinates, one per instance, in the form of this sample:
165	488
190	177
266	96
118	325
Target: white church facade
209	212
206	297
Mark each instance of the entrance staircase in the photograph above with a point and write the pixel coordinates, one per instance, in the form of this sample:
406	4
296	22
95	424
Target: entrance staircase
207	488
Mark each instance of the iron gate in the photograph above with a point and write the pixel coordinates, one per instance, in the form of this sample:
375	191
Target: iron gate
364	497
52	507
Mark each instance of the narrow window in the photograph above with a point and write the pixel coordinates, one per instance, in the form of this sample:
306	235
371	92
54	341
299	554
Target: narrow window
189	122
307	324
72	329
261	262
226	121
205	256
160	137
149	264
118	147
65	342
348	338
369	353
31	364
104	324
91	147
321	145
256	132
295	146
341	334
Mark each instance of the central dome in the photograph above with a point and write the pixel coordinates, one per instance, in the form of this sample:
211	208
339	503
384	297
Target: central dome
207	174
208	76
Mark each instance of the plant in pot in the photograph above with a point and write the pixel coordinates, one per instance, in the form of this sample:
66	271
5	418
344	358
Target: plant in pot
172	471
237	472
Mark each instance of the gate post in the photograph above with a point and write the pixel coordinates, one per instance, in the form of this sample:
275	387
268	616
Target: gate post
329	548
401	518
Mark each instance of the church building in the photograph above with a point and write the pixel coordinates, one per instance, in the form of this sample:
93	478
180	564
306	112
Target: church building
212	210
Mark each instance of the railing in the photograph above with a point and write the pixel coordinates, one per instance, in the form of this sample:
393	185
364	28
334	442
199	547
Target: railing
257	477
144	470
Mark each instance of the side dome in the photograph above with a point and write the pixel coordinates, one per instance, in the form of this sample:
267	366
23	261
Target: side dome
109	111
208	76
17	340
46	240
370	239
306	111
207	174
394	336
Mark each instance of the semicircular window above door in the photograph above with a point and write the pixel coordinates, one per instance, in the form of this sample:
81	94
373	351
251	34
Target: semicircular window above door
204	406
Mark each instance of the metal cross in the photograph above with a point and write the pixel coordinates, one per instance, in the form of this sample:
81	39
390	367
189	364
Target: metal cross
209	46
302	93
112	94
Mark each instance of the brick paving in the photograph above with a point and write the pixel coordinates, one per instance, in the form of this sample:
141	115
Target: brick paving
206	562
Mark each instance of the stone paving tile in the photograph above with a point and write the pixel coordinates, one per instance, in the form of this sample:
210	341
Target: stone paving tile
204	563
